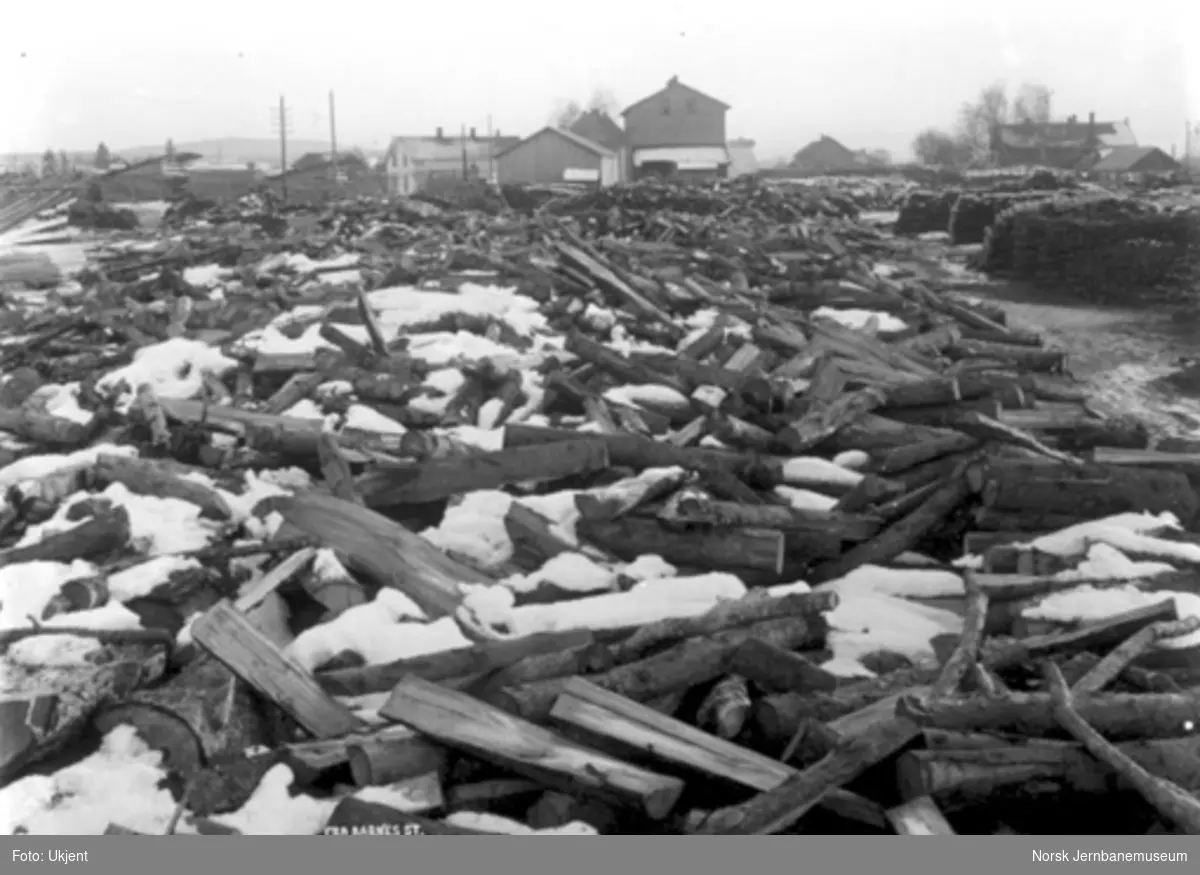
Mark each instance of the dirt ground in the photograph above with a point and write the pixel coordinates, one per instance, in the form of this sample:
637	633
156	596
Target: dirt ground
1135	361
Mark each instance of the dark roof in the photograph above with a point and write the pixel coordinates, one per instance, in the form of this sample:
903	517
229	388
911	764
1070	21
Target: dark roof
1125	159
674	82
599	126
1069	133
824	140
571	136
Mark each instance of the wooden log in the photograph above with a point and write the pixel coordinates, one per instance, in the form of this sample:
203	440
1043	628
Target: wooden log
616	719
693	507
1123	716
479	659
978	772
945	415
631	537
935	391
147	477
637	452
461	722
383	550
199	716
96	538
777	809
1089	491
1030	520
1022	357
1103	634
441	478
336	469
780	671
1172	801
646	639
1109	668
901	535
380	759
820	423
689	663
629	493
907	456
231	638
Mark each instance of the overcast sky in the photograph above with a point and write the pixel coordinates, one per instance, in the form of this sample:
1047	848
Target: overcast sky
870	73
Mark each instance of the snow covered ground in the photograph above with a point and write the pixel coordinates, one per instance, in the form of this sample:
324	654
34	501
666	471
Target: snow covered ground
880	609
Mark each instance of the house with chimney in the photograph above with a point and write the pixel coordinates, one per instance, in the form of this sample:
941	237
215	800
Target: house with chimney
421	163
1064	145
676	131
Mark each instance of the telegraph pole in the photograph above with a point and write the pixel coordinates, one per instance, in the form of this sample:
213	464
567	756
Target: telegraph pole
333	152
491	149
463	141
281	119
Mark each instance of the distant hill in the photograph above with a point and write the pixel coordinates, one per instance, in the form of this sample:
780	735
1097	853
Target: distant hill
232	150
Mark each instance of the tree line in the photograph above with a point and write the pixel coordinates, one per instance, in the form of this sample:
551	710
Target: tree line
968	143
59	163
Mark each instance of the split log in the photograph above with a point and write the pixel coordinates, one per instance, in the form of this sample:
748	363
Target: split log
336	469
385	551
480	659
467	724
230	637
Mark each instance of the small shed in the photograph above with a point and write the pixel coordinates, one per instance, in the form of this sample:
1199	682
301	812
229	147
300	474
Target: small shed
557	155
1134	159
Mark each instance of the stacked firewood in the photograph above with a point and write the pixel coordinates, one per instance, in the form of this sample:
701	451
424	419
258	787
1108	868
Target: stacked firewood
773	443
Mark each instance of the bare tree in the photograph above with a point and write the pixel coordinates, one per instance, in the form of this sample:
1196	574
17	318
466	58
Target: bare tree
602	100
977	119
566	113
1032	103
933	146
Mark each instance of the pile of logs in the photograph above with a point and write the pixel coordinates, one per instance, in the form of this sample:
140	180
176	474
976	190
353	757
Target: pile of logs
953	435
1115	250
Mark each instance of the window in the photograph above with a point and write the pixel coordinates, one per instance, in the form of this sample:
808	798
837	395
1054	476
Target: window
666	110
691	104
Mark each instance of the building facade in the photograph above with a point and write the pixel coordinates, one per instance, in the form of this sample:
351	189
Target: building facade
558	155
421	163
676	131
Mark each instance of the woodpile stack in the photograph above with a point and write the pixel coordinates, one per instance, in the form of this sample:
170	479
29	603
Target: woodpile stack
1105	249
925	211
626	533
974	213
